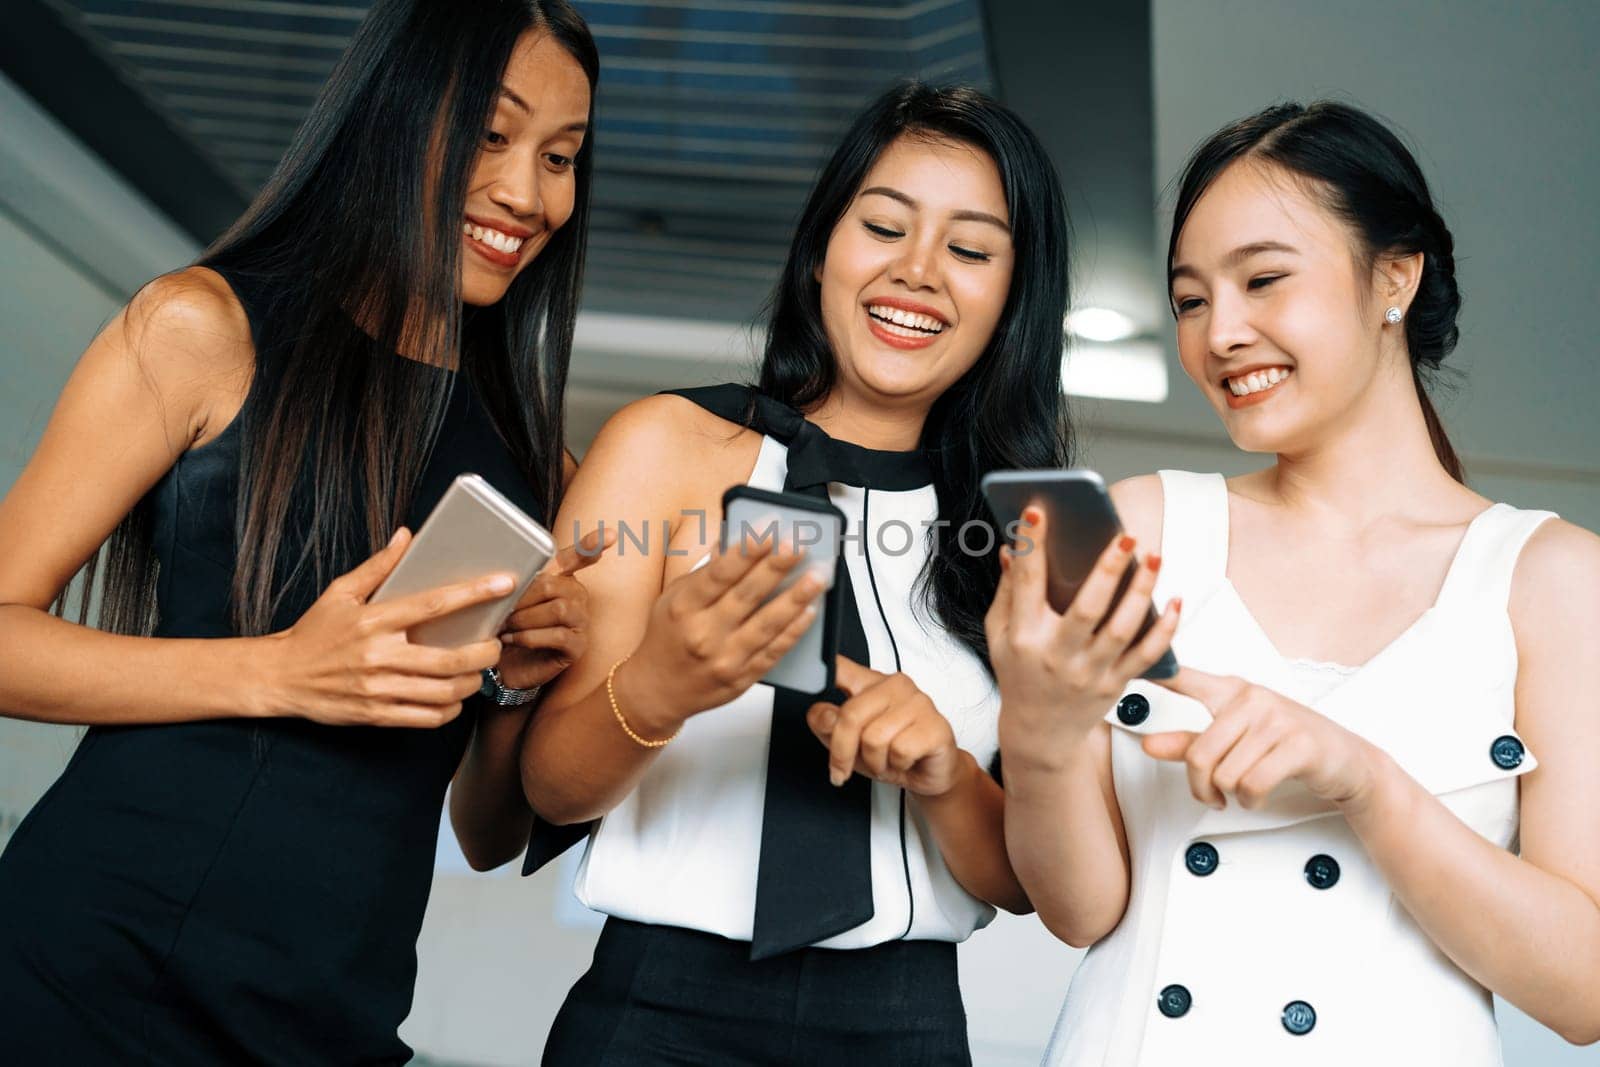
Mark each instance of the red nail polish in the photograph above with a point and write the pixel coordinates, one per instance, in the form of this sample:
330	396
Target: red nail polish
1153	561
1177	604
1125	543
1031	516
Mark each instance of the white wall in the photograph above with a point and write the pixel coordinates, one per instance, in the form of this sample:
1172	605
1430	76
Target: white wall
74	241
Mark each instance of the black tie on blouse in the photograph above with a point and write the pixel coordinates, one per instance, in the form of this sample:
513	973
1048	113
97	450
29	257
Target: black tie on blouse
814	878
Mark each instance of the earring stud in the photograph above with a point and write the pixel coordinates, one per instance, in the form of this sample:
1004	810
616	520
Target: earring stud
1393	316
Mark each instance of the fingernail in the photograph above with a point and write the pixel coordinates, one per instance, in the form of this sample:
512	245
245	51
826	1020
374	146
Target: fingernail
835	777
500	584
1032	516
1125	543
394	538
1153	561
1176	604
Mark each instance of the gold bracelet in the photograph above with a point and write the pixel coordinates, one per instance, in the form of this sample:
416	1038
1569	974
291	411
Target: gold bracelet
611	694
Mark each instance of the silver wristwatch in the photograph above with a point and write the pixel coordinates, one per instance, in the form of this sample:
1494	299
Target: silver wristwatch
500	694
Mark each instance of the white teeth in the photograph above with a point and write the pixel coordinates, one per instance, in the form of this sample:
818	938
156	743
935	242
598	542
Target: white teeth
922	324
1256	381
493	238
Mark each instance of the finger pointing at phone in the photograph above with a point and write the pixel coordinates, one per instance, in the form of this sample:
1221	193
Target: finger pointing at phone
888	730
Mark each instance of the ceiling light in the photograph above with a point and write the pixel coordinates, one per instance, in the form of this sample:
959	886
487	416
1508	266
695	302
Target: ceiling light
1132	370
1100	324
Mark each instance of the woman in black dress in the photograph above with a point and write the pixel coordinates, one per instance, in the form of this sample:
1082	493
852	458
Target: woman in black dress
234	865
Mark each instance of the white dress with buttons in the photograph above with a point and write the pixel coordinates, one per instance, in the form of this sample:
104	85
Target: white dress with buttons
1268	936
682	848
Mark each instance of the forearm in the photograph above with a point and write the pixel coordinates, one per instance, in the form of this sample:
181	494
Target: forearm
1531	936
968	825
1064	837
57	671
577	760
488	809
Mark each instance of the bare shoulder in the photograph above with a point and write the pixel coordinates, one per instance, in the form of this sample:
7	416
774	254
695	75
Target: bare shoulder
1140	504
1553	591
671	443
186	314
188	336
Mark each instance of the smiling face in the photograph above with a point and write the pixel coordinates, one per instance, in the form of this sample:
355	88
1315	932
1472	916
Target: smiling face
522	187
916	272
1279	324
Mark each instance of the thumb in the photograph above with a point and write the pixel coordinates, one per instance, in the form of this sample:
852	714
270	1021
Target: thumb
852	677
585	552
1173	746
364	580
822	717
1000	606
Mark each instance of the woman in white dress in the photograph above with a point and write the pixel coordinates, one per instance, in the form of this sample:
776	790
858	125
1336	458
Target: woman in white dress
1304	849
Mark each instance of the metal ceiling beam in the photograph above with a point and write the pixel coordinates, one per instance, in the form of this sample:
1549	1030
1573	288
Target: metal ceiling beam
1080	75
883	12
62	68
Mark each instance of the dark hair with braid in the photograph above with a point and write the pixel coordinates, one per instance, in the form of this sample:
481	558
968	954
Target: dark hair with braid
1368	178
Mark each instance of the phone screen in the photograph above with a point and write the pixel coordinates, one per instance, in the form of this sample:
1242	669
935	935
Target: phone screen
815	528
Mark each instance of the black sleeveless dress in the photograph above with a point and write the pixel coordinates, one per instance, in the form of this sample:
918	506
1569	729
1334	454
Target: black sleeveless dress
232	891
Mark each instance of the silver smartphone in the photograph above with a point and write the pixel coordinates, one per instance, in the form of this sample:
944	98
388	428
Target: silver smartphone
814	527
1082	521
473	531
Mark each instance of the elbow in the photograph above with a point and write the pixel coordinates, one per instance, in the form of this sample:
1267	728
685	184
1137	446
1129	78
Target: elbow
555	806
559	811
1587	1032
482	859
1015	902
1079	931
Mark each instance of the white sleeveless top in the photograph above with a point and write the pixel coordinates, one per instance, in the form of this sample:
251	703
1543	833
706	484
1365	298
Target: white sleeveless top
682	848
1268	936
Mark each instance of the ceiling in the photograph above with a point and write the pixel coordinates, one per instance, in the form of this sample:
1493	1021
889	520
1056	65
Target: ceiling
713	114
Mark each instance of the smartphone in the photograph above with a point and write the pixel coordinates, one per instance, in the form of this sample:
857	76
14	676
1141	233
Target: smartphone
472	531
814	527
1081	522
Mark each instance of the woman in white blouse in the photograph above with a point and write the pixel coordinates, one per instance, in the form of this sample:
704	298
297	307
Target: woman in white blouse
1303	848
786	882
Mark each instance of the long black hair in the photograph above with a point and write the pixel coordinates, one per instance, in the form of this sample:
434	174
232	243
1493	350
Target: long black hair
1371	181
1008	410
360	223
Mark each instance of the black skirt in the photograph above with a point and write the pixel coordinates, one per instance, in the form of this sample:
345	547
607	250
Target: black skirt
665	995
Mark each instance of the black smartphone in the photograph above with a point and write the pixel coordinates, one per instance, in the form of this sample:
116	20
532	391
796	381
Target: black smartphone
1082	521
815	528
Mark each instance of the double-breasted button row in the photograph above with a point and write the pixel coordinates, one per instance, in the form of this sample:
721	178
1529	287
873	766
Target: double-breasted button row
1202	858
1298	1017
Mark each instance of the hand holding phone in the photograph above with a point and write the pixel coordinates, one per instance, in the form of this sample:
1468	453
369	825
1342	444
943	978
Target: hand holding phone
1081	526
813	528
718	630
472	531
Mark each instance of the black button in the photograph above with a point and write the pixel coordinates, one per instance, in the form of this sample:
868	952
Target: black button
1507	751
1201	859
1299	1017
1174	1001
1133	709
1322	871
